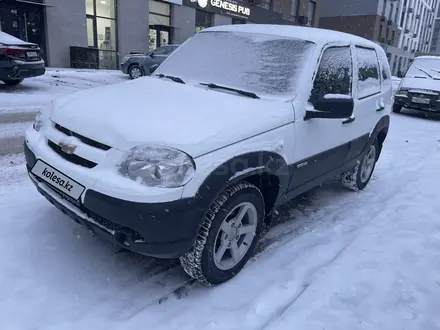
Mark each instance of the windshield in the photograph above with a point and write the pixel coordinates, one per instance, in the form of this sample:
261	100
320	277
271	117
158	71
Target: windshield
258	63
424	68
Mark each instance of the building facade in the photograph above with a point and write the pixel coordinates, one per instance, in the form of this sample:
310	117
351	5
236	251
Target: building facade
112	29
435	41
402	27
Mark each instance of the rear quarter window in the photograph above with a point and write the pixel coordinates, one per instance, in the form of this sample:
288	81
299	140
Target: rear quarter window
368	72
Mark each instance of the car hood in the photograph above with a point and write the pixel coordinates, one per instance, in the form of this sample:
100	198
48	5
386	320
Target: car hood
156	111
421	83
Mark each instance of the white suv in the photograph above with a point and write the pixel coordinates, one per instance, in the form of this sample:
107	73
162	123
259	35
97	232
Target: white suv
191	161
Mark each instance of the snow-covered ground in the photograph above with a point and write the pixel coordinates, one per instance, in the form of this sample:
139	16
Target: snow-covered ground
335	260
19	105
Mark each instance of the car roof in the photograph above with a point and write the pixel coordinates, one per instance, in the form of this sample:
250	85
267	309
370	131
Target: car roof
428	57
318	36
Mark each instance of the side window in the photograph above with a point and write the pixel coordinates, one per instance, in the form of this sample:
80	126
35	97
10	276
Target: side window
163	50
334	75
384	66
368	72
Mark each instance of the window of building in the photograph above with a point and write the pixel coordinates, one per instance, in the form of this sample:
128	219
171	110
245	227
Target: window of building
160	24
312	13
334	75
368	72
203	20
266	4
101	31
238	21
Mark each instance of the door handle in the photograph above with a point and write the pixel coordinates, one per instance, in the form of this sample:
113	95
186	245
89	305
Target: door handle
348	121
380	108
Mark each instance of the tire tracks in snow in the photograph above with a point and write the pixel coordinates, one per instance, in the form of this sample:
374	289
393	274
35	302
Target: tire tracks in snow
310	275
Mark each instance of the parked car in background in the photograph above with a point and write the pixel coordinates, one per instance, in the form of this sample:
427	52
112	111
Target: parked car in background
19	60
143	64
419	89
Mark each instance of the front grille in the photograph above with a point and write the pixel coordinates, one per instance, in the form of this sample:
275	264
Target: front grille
71	157
83	139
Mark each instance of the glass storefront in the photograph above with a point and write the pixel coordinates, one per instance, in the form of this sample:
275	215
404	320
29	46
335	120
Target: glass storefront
160	24
238	21
24	21
203	20
101	31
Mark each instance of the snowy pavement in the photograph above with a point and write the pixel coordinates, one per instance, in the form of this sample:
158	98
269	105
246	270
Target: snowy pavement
335	259
19	105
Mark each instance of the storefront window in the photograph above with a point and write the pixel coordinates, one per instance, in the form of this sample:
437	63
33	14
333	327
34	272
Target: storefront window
101	31
203	20
238	21
160	21
105	8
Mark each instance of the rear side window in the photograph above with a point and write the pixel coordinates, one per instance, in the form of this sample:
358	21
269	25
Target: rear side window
334	75
368	72
384	66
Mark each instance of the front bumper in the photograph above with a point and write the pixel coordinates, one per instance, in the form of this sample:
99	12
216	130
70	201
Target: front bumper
159	229
406	101
124	67
21	70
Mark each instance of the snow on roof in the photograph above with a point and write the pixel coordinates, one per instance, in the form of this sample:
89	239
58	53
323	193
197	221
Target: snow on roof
7	39
307	33
428	57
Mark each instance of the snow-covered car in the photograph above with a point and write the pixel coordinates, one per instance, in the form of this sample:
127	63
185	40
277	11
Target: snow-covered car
198	175
419	89
137	65
19	60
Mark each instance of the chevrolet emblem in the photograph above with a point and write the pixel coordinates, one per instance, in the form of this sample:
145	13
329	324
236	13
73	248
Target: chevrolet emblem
67	148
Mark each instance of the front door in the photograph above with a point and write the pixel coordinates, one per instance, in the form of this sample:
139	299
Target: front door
321	145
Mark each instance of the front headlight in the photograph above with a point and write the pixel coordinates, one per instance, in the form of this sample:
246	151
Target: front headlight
157	166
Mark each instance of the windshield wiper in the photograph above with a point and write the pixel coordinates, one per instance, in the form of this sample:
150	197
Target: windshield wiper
175	79
238	91
426	72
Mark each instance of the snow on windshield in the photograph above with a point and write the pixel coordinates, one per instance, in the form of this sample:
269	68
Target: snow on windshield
424	67
259	63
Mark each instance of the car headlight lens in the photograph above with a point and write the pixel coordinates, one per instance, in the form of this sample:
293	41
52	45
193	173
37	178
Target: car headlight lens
157	166
38	123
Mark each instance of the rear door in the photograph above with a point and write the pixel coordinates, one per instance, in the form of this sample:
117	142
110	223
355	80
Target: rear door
368	97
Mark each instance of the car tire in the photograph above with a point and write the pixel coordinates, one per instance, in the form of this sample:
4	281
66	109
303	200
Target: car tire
136	71
397	108
359	177
220	232
12	82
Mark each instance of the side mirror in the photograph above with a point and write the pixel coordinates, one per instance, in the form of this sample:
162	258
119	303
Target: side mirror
332	106
151	54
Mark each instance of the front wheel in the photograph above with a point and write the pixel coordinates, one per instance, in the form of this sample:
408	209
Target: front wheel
12	82
136	71
228	235
359	177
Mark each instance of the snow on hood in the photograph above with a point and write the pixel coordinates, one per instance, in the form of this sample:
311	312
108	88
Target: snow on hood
7	39
159	111
421	83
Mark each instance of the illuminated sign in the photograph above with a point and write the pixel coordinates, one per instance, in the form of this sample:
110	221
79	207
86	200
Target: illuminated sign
228	6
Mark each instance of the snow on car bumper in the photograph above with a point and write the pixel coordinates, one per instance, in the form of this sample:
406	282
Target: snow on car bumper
165	228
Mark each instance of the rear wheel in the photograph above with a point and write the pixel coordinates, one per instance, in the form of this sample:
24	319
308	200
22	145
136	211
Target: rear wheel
12	82
397	108
228	235
359	177
136	71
